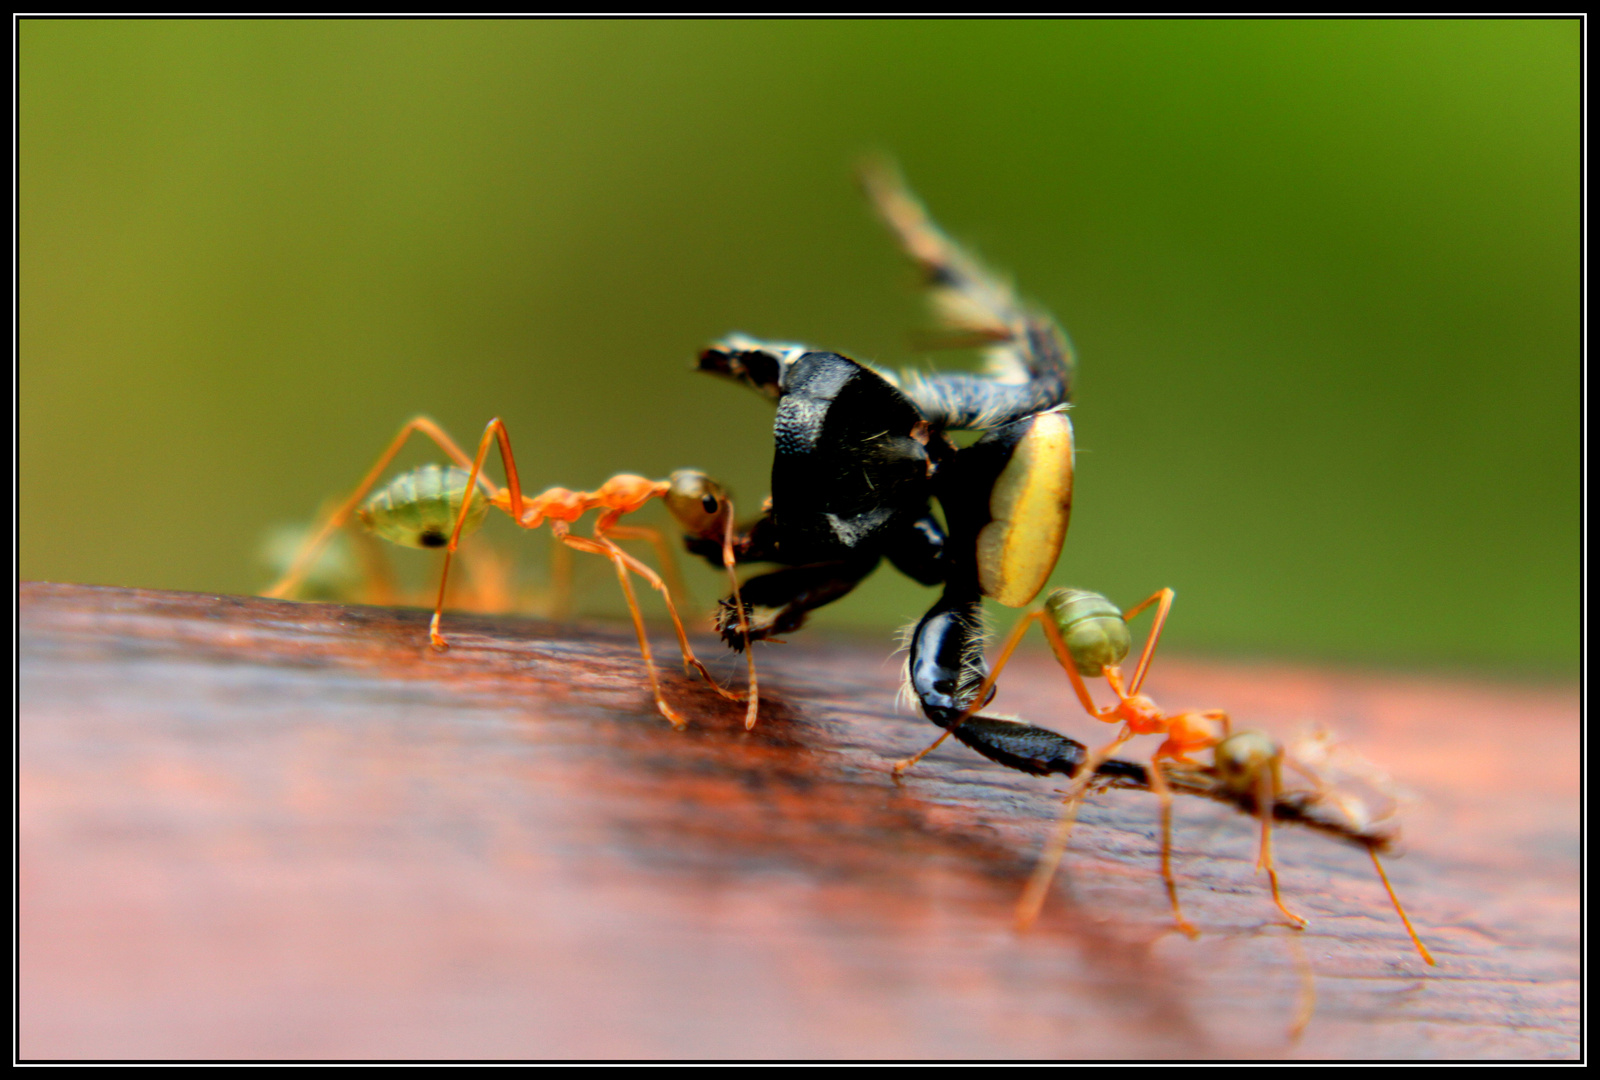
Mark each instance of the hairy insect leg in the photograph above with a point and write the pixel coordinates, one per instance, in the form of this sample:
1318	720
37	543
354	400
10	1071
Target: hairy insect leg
302	562
619	561
980	304
1010	646
1063	656
779	601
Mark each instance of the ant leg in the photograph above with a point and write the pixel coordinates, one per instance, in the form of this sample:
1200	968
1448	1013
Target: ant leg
664	556
1158	784
906	763
1268	783
1327	791
489	575
302	563
1400	911
1165	597
1032	899
675	584
1308	991
560	582
730	563
690	661
380	584
1058	645
617	558
493	430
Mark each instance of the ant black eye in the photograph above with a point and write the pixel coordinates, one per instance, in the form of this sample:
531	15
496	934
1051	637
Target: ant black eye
709	503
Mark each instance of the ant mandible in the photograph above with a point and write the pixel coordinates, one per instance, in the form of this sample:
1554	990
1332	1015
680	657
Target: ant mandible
1089	636
430	507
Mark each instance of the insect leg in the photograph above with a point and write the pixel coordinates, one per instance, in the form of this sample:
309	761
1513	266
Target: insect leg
604	546
1010	646
560	582
379	574
1032	899
494	430
730	562
1164	598
490	577
1269	781
1023	746
1400	911
1029	359
779	601
1158	784
664	555
618	559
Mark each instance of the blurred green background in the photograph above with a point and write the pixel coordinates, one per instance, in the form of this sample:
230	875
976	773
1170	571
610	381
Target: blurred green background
1323	278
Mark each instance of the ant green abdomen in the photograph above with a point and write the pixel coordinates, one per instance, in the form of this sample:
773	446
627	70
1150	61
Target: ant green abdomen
1093	628
419	508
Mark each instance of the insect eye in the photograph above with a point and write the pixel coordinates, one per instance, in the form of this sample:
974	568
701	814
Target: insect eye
709	503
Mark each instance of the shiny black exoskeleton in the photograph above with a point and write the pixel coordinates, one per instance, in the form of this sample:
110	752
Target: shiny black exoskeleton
860	456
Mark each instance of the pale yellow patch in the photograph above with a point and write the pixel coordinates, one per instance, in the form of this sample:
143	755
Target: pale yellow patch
1030	505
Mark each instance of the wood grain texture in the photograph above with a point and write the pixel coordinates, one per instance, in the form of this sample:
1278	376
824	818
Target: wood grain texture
263	829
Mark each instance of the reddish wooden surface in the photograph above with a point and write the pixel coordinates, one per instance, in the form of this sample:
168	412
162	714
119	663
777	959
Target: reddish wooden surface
262	829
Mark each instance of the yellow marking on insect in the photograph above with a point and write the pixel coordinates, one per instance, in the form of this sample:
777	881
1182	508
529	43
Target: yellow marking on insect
1030	505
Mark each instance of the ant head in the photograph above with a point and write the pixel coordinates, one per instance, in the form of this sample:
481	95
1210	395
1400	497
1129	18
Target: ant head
1241	759
1093	628
419	508
699	503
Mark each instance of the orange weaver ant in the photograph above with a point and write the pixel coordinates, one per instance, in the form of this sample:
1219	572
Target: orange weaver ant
432	507
1089	636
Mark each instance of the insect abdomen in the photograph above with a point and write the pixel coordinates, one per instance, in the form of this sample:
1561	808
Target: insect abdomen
418	508
1093	628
